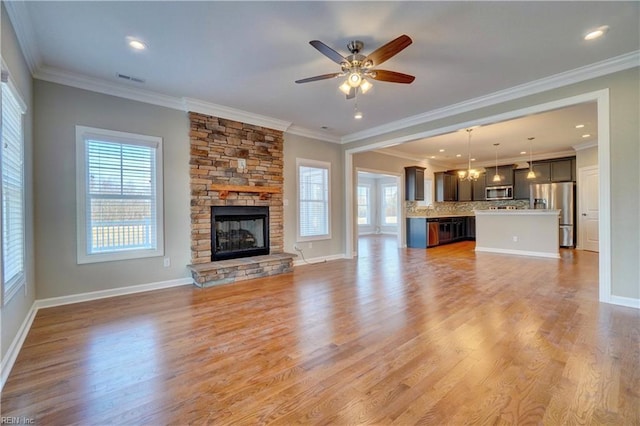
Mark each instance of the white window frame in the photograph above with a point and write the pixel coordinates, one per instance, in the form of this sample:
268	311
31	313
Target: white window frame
383	201
83	134
369	206
301	162
17	281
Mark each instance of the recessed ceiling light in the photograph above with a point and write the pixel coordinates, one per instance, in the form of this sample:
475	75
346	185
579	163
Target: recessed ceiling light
523	152
433	156
358	115
136	44
473	159
597	33
579	126
458	155
586	135
441	150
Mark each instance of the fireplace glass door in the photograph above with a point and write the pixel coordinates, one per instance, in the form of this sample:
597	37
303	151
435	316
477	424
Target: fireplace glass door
239	232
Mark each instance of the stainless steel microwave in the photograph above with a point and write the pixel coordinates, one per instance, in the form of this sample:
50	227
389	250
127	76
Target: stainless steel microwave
499	192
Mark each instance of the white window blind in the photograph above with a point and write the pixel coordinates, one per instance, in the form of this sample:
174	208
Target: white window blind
363	205
13	213
121	199
390	204
313	196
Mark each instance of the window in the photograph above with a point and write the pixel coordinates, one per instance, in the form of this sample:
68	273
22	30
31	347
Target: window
13	210
119	195
313	200
364	210
389	204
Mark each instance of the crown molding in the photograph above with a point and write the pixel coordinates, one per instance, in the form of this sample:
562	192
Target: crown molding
203	107
66	78
21	22
598	69
79	81
313	134
585	145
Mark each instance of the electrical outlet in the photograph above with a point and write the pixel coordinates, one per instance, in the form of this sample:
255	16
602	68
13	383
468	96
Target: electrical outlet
167	262
515	238
242	163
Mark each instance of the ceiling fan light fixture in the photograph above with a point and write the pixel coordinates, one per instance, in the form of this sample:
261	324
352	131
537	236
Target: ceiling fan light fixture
365	86
345	87
354	79
358	115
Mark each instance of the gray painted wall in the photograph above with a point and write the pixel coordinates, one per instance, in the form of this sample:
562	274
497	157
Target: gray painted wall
296	146
15	311
58	109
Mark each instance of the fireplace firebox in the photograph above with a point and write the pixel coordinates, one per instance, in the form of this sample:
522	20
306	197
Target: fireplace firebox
239	231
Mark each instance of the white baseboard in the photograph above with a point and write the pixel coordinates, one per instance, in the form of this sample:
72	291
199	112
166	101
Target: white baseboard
624	301
101	294
519	252
12	354
320	259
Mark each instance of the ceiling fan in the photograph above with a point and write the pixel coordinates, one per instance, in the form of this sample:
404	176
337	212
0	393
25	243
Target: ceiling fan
357	67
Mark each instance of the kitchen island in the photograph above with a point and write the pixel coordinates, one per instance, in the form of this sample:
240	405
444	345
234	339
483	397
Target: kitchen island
524	232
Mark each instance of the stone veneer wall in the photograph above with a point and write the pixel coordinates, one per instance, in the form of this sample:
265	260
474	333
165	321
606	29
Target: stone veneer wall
216	146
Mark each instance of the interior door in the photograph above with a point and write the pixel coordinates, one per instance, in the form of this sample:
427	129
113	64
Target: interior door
588	208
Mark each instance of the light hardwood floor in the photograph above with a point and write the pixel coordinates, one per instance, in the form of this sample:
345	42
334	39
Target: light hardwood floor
398	336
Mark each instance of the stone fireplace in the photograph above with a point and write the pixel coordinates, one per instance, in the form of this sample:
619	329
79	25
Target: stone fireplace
235	167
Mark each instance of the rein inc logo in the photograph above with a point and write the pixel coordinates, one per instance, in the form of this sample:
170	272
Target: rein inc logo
5	420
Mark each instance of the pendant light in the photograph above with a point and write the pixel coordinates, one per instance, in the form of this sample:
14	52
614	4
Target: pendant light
469	174
531	174
496	176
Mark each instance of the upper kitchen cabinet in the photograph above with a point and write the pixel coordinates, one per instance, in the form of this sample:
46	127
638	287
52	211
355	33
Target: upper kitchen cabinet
561	170
446	186
521	189
505	173
465	190
472	190
414	183
479	193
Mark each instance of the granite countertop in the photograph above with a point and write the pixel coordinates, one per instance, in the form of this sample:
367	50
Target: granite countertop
439	215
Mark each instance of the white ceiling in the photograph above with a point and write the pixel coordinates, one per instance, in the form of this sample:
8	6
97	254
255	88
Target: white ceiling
247	55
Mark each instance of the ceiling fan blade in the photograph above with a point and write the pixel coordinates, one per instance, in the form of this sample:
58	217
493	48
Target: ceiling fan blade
352	93
392	76
318	77
389	50
328	52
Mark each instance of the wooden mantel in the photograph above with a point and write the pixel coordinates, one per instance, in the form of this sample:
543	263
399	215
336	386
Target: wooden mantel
264	191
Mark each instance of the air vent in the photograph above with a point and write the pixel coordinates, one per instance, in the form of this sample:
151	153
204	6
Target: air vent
130	78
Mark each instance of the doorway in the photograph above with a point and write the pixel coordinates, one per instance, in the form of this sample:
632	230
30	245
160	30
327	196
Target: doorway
378	205
601	97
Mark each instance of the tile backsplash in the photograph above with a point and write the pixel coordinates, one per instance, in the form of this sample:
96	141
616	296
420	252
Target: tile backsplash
412	208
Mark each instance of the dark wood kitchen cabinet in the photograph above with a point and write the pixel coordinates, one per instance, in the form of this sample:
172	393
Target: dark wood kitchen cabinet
521	189
563	170
446	186
465	190
414	183
479	186
505	172
560	170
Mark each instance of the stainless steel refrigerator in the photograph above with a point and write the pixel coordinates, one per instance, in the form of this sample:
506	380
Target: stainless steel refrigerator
558	196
